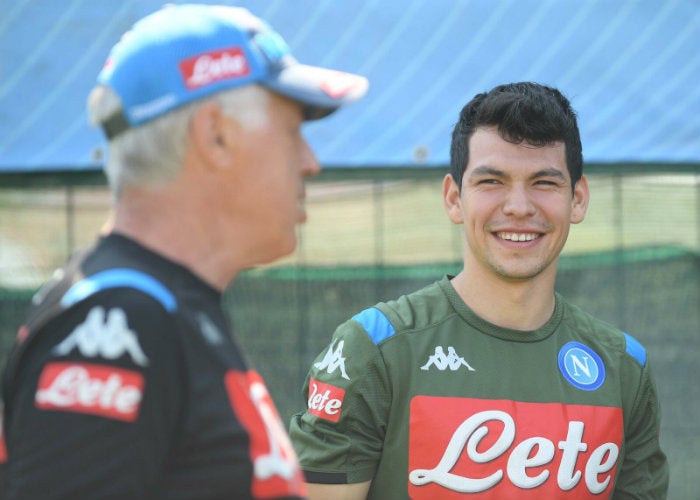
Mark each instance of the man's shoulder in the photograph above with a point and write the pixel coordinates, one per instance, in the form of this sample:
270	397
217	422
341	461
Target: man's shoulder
416	310
100	285
603	333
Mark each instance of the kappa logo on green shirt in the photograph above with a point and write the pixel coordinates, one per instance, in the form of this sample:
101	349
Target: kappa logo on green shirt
333	360
443	361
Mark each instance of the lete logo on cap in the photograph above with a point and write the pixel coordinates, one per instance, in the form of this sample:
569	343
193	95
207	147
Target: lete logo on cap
214	66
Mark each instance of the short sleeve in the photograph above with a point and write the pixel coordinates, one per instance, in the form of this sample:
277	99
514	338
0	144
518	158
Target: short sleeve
339	437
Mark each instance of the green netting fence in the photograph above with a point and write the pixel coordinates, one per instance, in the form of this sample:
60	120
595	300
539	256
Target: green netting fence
634	262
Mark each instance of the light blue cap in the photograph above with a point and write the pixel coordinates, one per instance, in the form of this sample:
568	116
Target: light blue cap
186	52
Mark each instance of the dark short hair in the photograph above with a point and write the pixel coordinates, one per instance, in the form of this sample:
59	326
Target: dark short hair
523	112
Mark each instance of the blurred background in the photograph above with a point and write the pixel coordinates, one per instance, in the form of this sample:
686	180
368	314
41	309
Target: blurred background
377	229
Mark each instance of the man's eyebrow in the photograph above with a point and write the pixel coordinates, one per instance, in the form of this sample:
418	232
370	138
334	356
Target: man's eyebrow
548	172
489	171
486	170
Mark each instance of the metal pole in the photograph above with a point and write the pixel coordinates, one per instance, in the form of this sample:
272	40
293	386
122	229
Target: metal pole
378	197
619	224
70	219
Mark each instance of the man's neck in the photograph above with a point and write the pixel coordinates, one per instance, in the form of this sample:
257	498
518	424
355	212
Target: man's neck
177	228
520	305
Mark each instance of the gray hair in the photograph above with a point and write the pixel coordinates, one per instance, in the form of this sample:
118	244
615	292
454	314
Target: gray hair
152	154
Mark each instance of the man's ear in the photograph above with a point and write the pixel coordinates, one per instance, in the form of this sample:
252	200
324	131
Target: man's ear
210	136
579	202
452	200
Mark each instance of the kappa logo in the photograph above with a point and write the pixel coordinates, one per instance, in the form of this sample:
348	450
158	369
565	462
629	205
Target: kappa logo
333	360
105	335
443	361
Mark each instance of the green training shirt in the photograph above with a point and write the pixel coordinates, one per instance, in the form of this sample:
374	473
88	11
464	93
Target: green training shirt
428	401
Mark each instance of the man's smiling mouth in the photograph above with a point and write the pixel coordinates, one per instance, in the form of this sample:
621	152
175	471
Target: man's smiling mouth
518	236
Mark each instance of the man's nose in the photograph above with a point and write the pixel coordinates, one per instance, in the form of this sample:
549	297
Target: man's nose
518	202
309	162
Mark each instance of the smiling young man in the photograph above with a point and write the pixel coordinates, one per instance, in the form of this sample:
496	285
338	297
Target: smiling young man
489	384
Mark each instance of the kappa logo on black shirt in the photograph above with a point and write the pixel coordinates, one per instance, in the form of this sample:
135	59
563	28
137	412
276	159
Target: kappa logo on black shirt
104	334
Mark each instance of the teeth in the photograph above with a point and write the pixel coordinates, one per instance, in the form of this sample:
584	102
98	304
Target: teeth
517	236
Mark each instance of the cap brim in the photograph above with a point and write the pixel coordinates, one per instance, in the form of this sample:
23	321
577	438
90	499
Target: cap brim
320	90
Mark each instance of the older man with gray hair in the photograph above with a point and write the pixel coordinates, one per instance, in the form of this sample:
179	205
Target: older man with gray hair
126	381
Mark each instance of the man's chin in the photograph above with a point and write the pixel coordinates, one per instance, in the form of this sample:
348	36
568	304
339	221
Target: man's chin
278	250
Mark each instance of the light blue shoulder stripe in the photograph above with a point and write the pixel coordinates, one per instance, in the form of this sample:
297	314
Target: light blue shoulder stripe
113	278
635	349
376	324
